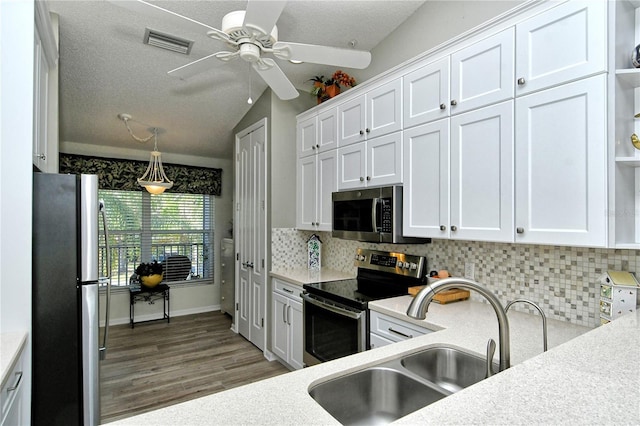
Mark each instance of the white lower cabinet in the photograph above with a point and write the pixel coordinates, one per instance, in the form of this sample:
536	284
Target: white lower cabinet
386	330
561	171
12	397
287	332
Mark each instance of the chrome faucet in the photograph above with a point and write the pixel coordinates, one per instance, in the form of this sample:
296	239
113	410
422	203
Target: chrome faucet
420	304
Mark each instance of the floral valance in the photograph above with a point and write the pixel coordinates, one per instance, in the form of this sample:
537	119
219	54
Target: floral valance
123	174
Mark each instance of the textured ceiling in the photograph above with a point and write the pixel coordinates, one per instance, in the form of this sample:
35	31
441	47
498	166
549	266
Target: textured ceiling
105	69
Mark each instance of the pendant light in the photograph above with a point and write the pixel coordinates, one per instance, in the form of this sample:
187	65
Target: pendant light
154	179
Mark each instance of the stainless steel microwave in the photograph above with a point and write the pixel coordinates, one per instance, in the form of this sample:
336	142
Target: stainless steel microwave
372	215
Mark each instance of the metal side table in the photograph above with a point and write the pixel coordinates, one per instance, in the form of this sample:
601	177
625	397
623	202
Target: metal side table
138	293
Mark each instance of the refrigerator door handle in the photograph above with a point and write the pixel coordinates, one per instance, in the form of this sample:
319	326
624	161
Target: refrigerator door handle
103	348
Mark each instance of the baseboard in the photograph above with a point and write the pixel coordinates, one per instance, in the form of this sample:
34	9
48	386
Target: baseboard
178	313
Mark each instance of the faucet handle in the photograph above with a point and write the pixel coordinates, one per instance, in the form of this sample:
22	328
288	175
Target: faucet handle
491	350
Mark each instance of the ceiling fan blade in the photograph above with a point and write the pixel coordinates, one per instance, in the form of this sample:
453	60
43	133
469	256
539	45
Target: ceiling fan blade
151	10
202	65
275	78
348	58
263	15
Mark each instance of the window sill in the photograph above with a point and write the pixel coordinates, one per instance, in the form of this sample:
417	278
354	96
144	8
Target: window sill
172	284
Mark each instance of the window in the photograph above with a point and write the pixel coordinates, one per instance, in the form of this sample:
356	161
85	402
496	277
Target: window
172	228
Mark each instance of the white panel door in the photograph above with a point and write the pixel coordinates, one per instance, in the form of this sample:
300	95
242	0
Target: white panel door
482	174
562	44
327	183
244	238
384	160
327	130
307	196
561	165
352	166
482	73
384	109
307	136
351	121
296	326
426	94
426	180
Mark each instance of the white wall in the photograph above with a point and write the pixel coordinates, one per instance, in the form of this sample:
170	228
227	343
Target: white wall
16	136
190	295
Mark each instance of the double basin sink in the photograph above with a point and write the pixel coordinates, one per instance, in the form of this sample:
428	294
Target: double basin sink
387	391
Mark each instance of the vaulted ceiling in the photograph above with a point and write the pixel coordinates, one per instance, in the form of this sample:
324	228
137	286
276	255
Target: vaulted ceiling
105	69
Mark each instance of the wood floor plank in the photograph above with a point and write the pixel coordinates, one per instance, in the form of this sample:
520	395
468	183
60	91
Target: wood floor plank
158	364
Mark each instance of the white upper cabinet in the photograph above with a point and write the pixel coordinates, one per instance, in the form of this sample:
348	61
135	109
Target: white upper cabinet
307	136
376	113
327	130
375	162
562	44
426	180
482	74
561	171
482	174
426	94
316	180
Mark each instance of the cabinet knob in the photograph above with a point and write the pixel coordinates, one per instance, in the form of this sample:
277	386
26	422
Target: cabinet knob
362	132
454	228
42	157
454	102
521	81
361	179
443	106
367	130
520	230
318	146
443	228
313	147
223	265
368	178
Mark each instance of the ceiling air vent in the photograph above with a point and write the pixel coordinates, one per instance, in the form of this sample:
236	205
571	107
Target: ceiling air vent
166	41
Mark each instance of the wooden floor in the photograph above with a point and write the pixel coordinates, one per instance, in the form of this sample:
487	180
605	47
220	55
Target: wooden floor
158	364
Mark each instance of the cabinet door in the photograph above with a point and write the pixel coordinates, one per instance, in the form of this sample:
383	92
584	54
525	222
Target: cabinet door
562	44
351	121
307	136
296	327
327	181
352	166
482	174
561	165
384	109
327	130
40	105
482	73
384	160
426	180
426	94
307	187
280	336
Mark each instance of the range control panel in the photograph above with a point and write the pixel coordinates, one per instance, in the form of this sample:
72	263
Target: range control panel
393	262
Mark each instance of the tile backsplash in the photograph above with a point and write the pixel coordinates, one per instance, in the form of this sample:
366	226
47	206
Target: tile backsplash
564	281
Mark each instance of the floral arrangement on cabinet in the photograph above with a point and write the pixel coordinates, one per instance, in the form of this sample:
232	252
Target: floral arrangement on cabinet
325	89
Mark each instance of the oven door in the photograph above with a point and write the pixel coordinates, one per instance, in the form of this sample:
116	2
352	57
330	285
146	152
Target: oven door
332	330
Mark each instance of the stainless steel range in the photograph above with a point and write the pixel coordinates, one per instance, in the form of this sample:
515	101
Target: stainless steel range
336	314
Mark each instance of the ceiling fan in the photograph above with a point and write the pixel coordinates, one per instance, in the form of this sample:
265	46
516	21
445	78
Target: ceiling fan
250	35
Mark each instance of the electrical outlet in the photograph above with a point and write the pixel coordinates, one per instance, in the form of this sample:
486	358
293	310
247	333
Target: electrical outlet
469	270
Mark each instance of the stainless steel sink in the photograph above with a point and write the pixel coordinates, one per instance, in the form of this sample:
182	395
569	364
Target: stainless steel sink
449	368
376	395
387	391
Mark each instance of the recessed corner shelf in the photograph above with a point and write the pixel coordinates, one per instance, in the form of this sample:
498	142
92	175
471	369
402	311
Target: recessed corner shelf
628	161
630	76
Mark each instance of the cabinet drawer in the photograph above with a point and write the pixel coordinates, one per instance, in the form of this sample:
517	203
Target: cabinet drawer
287	289
394	329
378	341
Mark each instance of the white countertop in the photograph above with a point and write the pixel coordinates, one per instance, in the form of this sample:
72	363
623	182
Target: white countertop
302	276
593	378
11	345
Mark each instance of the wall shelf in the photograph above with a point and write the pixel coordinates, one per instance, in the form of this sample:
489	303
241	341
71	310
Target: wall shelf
628	161
630	76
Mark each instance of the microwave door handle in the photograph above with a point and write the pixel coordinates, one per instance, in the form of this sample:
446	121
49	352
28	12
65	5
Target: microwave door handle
374	213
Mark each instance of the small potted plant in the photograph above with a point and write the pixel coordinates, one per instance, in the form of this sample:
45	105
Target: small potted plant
150	274
325	89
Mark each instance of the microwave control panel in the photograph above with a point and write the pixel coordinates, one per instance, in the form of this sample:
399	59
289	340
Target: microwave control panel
386	225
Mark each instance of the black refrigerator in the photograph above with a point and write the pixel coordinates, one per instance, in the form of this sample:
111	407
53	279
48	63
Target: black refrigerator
65	287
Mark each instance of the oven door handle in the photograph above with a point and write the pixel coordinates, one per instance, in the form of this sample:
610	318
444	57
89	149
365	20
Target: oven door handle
332	308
